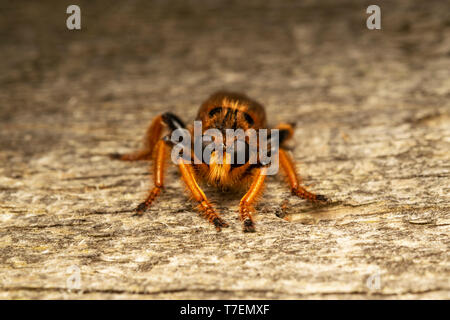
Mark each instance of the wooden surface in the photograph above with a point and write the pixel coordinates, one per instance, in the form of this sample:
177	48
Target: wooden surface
373	134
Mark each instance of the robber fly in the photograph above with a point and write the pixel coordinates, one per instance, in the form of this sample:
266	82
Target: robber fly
221	111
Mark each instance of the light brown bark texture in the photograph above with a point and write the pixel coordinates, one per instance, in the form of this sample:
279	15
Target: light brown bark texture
373	134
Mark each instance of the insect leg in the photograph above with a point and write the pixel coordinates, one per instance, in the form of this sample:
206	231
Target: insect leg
294	181
158	175
245	206
204	205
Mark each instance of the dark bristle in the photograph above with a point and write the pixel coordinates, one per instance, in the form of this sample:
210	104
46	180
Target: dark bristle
115	156
215	111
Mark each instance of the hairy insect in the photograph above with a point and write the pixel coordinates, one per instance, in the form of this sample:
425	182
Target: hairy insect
221	111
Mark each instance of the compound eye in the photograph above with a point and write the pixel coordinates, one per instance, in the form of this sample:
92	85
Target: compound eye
241	153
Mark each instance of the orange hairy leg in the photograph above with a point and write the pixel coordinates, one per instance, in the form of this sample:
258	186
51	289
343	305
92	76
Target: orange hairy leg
151	138
245	206
205	206
294	181
159	162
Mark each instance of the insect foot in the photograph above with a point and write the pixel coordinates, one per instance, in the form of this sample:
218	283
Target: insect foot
321	197
115	156
314	198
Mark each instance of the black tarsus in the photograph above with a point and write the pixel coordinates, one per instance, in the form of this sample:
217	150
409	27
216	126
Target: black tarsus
248	118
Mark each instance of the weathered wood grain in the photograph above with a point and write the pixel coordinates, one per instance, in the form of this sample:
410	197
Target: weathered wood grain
373	133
